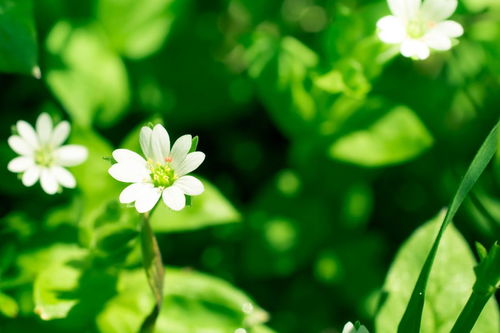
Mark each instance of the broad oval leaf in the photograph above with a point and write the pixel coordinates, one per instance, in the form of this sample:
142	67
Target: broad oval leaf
449	285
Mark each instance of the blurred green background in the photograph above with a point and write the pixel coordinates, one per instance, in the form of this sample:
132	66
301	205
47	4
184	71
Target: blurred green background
325	151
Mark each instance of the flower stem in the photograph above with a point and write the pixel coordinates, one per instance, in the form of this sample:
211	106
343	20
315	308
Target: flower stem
153	266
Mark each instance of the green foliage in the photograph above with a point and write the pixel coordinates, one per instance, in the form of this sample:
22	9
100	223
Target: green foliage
450	282
210	208
18	46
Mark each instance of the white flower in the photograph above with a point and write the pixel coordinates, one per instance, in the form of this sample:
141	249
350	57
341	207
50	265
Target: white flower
42	154
163	174
350	328
418	27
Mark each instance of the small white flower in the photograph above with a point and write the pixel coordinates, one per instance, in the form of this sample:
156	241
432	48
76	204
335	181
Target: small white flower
42	154
418	27
163	174
350	328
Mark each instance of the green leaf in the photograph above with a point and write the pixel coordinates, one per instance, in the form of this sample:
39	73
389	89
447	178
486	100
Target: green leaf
18	48
88	78
193	303
55	283
413	313
8	306
449	284
209	208
138	29
395	137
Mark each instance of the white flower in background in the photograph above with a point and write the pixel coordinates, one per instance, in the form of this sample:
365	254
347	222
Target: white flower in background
163	174
350	328
42	155
419	26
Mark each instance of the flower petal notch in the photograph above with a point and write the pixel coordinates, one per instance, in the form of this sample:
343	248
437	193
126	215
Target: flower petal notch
419	27
43	157
162	174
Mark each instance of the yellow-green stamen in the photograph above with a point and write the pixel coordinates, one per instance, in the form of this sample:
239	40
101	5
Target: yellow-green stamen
162	175
44	156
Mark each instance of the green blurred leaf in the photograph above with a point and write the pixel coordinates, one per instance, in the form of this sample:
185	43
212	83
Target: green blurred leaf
54	285
448	288
209	208
193	303
395	137
8	305
138	29
87	77
18	47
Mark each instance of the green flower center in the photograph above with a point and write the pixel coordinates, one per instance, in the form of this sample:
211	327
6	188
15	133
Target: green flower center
415	28
162	175
44	156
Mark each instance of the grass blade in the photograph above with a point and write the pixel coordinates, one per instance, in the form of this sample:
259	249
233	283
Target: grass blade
410	322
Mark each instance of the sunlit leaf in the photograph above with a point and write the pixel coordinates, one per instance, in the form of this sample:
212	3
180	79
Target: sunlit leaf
449	285
193	303
138	29
88	78
395	137
8	305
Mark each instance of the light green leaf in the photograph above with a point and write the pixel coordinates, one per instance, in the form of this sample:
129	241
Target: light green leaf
18	48
449	285
138	29
396	137
8	305
209	208
193	303
87	77
56	281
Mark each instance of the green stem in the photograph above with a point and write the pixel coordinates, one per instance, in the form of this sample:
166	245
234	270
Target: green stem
153	266
488	276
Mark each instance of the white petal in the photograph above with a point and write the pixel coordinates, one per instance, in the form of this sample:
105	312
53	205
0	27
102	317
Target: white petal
451	29
189	185
145	141
44	127
160	143
20	164
415	49
27	133
132	192
148	199
128	157
64	177
437	41
348	328
180	150
20	146
174	198
71	155
392	29
406	9
60	133
129	173
31	176
438	10
48	181
190	163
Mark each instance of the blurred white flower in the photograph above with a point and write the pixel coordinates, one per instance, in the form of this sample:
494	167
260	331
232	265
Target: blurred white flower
42	154
350	328
419	26
163	174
